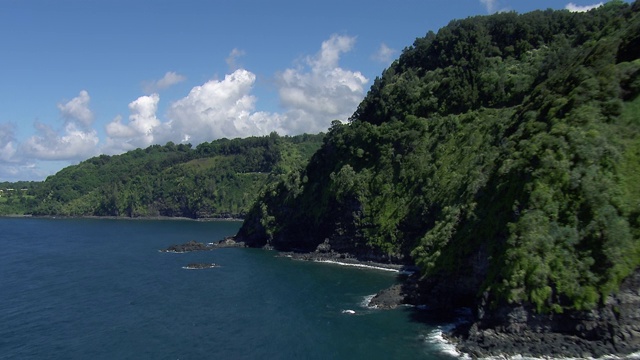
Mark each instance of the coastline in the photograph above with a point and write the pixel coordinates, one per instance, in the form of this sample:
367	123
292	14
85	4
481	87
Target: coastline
153	218
342	260
511	332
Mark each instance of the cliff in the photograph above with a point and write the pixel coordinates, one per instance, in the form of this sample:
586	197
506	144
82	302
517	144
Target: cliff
501	156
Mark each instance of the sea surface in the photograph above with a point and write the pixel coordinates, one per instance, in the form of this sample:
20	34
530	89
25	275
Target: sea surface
100	289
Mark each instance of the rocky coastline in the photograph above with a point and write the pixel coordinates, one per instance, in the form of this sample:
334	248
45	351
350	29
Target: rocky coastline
342	259
509	330
611	329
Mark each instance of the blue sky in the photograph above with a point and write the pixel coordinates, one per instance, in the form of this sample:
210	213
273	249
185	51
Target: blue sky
79	78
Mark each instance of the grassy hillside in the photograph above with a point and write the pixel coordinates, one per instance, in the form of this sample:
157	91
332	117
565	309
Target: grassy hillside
217	179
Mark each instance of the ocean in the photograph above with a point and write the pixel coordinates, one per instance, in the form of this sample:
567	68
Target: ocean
101	289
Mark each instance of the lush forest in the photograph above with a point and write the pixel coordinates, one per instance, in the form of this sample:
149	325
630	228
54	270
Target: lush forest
216	179
501	154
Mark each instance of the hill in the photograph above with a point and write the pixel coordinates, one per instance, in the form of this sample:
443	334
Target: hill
502	156
217	179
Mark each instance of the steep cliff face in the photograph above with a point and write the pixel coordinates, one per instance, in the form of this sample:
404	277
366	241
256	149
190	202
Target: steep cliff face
500	155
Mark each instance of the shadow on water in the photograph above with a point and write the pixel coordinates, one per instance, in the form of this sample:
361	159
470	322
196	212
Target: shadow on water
423	309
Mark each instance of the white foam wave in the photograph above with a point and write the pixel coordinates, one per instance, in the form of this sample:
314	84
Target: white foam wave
635	355
436	337
366	301
357	265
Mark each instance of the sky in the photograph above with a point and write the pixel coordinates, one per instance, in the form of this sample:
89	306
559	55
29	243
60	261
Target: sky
80	78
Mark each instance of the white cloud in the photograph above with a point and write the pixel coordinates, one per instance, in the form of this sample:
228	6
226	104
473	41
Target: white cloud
490	5
312	96
169	79
77	109
493	6
139	131
7	143
384	54
73	144
322	93
233	57
577	8
216	109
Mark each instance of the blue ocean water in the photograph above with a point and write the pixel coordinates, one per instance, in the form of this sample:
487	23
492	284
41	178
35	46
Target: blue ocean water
100	289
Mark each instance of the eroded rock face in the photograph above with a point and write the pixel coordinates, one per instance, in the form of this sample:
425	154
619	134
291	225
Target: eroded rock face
614	328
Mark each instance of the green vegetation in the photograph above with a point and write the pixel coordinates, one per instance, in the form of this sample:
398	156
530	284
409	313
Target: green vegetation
217	179
503	150
16	198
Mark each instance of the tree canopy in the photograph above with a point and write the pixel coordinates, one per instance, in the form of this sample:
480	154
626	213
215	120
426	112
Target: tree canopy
216	179
501	152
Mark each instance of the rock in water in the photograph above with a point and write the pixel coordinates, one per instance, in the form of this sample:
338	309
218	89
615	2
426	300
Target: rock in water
194	266
187	247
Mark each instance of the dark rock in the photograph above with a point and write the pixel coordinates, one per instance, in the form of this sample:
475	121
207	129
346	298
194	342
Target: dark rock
325	247
612	328
197	246
193	266
388	298
228	242
187	247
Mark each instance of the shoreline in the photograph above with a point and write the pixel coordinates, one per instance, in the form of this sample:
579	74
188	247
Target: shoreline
151	218
345	260
522	334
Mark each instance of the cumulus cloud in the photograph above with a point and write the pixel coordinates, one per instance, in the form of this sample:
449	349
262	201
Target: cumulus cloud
7	143
76	140
218	108
490	5
77	109
577	8
232	59
493	6
169	79
322	91
139	131
384	54
312	96
213	110
73	144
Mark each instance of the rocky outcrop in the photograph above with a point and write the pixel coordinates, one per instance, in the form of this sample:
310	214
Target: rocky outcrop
227	242
613	328
187	247
198	246
196	266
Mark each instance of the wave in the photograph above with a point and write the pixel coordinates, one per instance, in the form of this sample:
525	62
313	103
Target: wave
357	265
444	346
367	300
437	339
635	355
